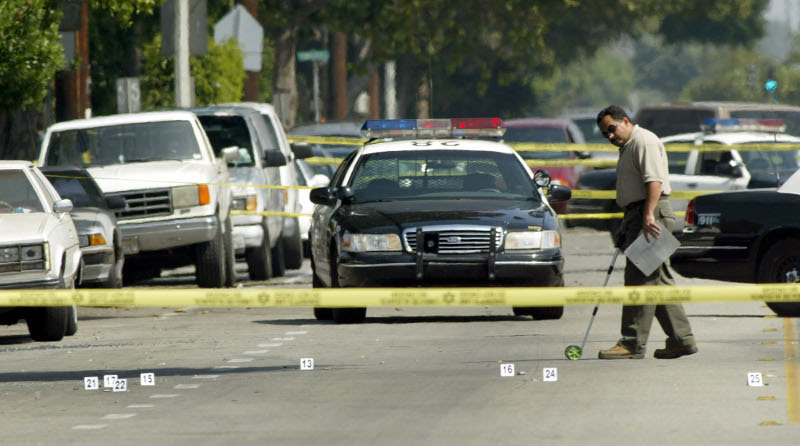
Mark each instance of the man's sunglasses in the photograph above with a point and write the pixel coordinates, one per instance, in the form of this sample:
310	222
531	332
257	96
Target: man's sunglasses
611	129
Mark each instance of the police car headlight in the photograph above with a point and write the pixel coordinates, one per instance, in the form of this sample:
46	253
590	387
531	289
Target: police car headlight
532	240
370	242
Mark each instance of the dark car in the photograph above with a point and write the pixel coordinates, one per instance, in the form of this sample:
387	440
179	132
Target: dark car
750	236
334	129
435	212
93	215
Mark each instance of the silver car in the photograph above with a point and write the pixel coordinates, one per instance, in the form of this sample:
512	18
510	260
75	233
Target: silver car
98	232
38	248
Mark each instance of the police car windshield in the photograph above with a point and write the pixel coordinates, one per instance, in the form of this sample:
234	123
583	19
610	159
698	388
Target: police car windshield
441	174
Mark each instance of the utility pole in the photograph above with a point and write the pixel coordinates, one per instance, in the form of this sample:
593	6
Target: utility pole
339	74
183	95
251	83
389	88
72	83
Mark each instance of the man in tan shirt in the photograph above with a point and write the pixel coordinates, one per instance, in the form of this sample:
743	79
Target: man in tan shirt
642	191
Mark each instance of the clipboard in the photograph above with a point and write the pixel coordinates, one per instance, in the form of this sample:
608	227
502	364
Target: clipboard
648	256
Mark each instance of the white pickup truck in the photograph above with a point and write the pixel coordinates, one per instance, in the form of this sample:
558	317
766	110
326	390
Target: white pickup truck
177	198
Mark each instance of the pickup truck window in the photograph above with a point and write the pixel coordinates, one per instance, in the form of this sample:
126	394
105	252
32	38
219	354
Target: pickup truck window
122	144
227	131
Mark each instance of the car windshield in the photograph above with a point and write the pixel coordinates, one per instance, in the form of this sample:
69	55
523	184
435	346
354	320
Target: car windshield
437	174
123	144
17	194
81	190
770	162
230	131
591	133
540	134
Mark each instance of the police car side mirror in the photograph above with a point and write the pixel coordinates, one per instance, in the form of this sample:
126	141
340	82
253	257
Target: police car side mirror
558	192
345	194
322	196
541	177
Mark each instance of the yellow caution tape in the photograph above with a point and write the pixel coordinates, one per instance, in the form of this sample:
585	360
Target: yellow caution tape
331	140
406	297
323	160
612	194
599	216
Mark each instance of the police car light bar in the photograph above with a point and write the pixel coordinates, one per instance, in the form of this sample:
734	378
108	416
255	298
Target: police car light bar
433	128
720	125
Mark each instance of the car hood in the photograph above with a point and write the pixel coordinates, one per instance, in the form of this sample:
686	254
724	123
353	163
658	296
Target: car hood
403	214
25	227
150	175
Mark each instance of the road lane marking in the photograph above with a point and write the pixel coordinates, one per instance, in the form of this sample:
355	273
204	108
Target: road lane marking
205	377
292	333
87	427
140	406
278	344
255	352
240	360
164	395
119	416
792	367
289	338
186	386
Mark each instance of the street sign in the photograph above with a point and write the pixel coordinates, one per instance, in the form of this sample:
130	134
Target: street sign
313	56
240	25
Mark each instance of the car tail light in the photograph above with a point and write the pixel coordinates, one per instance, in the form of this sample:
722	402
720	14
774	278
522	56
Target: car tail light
688	219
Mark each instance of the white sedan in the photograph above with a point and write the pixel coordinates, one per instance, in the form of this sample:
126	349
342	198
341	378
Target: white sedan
39	248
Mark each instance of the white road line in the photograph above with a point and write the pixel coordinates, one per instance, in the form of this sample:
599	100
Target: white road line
227	367
205	377
278	344
140	406
119	416
164	395
88	427
186	386
290	333
240	360
283	339
255	352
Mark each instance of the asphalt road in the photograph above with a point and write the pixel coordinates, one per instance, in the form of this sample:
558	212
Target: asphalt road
405	376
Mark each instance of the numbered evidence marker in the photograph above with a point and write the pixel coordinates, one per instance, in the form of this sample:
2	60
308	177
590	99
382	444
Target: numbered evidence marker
147	379
109	380
549	374
306	363
121	385
506	369
91	383
754	379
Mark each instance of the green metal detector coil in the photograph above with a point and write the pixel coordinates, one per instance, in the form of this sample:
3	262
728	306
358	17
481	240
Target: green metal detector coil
573	352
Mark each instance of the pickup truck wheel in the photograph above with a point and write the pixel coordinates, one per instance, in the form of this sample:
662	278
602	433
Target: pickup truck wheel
294	248
210	262
115	275
72	321
543	313
278	259
47	323
259	259
230	255
781	264
349	315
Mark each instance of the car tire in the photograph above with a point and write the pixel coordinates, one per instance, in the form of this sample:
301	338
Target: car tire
321	314
47	324
259	259
293	248
779	260
72	321
210	262
115	275
230	255
545	313
278	259
349	315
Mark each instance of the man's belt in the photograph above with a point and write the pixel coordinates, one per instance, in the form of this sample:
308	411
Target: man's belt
635	204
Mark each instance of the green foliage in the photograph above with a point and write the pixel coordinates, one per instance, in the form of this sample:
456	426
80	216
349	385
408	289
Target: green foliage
218	76
30	51
125	10
718	21
267	71
726	79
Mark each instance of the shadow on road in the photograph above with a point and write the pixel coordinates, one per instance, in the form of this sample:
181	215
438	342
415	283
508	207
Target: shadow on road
78	375
405	320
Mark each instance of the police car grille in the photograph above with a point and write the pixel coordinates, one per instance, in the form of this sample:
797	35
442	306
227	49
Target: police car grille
149	203
457	241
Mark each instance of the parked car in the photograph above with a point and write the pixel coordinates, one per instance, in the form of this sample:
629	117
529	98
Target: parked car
750	236
259	239
435	210
175	187
98	232
697	170
540	130
276	139
39	248
672	119
307	177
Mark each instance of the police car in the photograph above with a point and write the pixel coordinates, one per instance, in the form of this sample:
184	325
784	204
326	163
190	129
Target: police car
423	205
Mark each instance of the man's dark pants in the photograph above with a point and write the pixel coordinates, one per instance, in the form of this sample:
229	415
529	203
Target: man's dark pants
637	319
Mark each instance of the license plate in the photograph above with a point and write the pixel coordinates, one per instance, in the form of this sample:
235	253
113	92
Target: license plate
130	245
